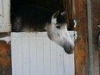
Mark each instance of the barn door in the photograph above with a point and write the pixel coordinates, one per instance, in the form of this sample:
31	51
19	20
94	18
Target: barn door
35	54
4	15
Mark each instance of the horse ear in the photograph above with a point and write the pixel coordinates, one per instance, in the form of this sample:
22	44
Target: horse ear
54	19
99	26
63	13
55	14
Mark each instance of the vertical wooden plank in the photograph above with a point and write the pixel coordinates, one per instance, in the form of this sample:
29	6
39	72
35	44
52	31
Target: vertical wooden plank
96	21
25	55
5	25
33	54
81	42
69	63
68	7
47	58
6	11
90	38
53	59
40	52
1	10
60	61
16	53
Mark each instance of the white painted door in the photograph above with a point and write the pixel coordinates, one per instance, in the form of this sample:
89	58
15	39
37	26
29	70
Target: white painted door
5	16
35	54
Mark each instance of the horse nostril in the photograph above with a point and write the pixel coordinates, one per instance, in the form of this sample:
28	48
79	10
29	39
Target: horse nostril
68	50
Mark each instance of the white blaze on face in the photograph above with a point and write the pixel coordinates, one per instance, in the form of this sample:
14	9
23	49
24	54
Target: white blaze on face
59	34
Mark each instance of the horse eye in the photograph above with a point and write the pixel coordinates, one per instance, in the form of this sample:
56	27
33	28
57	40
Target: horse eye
58	27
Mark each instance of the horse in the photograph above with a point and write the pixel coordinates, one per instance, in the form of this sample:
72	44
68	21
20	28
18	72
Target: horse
33	19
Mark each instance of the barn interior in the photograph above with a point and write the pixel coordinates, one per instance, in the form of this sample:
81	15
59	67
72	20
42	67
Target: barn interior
52	5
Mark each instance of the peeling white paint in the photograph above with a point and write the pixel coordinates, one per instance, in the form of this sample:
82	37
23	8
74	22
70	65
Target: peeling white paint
5	25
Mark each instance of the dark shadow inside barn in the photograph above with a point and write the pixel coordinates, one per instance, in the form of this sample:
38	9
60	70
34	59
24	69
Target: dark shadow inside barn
52	5
45	7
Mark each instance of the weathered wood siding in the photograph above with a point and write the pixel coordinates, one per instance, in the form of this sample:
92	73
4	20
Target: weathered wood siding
5	25
96	31
81	48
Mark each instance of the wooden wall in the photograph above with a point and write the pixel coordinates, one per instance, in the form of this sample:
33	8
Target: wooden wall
96	31
81	45
81	42
81	48
5	58
77	10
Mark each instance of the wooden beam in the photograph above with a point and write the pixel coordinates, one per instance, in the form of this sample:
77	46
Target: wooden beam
81	42
95	21
68	7
90	39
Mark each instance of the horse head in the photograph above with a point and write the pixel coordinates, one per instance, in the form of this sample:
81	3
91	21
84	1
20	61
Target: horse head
57	31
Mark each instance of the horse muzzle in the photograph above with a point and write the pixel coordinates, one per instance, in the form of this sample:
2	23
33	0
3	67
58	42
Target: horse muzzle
68	48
